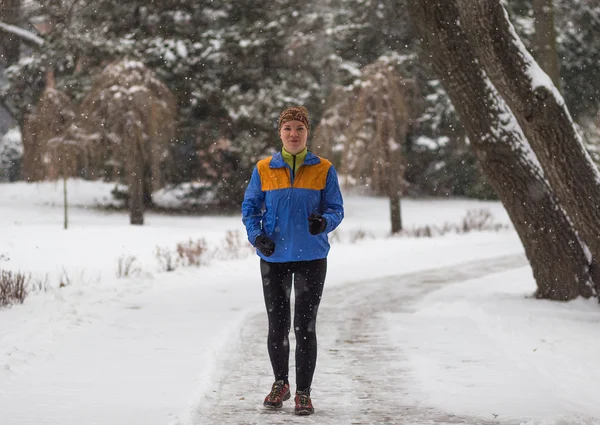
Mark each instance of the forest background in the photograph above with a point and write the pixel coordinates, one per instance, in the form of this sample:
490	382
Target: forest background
231	67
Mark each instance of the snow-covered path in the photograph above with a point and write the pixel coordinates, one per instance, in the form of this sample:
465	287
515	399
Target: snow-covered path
360	377
398	343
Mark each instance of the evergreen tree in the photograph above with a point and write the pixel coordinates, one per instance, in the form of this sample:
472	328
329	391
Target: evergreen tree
233	66
579	53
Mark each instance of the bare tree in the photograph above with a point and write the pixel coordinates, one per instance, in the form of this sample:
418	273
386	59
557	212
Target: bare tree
54	147
71	153
373	120
558	260
52	116
133	113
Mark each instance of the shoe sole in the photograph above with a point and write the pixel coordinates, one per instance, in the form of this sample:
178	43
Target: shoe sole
304	412
273	406
277	406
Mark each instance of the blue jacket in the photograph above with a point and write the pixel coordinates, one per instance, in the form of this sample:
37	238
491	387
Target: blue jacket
278	204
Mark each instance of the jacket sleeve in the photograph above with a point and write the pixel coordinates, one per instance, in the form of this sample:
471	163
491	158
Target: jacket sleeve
252	207
333	204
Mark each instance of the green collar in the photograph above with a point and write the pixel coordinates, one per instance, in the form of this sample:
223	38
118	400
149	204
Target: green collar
289	158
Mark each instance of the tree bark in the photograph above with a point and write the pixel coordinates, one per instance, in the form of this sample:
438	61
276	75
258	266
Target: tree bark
395	212
544	39
558	261
393	170
541	113
135	173
65	202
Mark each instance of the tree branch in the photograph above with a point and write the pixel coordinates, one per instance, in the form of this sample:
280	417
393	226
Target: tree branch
23	34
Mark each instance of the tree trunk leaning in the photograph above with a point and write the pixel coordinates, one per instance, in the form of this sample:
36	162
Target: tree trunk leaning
558	261
541	113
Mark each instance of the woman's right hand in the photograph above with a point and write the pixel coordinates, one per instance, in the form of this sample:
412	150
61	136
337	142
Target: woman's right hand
265	245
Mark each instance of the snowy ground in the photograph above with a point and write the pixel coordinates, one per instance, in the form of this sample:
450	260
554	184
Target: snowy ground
411	330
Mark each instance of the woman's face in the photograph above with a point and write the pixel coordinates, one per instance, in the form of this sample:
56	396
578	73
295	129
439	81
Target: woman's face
294	135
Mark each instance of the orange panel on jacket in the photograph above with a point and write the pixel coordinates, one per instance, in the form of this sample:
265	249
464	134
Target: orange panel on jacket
308	176
272	178
313	176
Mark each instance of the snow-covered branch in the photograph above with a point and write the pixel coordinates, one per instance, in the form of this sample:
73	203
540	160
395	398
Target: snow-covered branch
22	33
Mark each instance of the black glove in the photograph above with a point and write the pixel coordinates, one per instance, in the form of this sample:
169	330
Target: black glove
316	224
265	245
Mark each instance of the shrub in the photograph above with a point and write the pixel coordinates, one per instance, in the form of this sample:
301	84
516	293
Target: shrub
166	259
358	235
234	243
65	280
191	253
233	247
13	287
479	220
40	285
127	266
475	220
351	236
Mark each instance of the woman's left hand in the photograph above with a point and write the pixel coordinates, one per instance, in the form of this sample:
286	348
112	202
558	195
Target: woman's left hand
316	224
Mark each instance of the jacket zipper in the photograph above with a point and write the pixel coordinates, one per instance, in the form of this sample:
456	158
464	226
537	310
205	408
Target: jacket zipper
293	169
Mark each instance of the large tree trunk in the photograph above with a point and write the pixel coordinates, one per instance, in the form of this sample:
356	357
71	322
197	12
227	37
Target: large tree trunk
10	13
544	39
558	261
541	113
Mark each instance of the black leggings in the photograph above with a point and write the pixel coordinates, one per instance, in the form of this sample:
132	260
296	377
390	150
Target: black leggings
309	277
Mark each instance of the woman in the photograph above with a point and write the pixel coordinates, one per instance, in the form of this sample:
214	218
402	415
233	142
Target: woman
292	202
